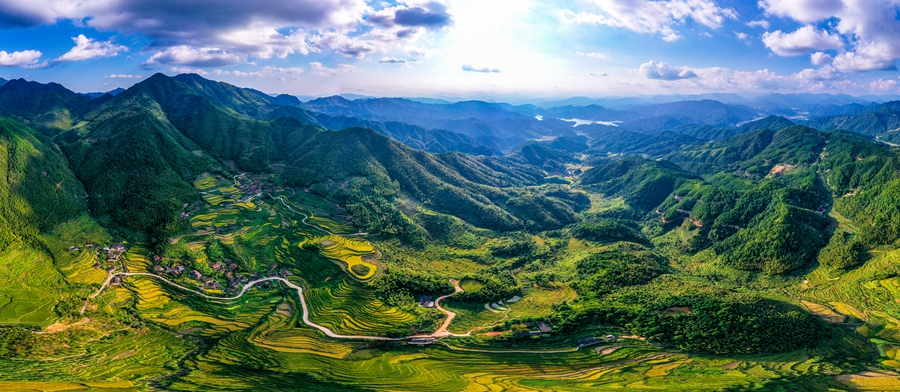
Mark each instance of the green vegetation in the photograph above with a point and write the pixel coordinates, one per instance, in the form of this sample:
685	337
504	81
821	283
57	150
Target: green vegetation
697	259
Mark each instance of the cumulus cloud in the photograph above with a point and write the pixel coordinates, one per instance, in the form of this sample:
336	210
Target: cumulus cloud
806	39
820	58
742	36
759	23
870	28
471	68
393	60
240	29
663	71
88	48
653	17
352	47
321	70
883	85
803	10
184	70
195	57
416	51
25	58
432	14
595	55
124	76
823	73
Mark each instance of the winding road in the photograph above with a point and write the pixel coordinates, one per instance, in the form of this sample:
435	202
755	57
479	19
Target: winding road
441	332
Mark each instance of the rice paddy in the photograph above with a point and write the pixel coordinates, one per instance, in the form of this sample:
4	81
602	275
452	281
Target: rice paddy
351	251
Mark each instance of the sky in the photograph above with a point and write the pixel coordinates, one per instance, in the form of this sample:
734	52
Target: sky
456	48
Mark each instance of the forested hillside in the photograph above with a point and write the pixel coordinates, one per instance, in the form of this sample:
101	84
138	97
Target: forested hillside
203	235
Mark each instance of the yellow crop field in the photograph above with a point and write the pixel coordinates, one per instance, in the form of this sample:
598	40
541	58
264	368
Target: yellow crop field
205	182
350	251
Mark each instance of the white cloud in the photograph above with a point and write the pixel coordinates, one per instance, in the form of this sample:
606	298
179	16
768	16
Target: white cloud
321	70
599	56
124	76
88	48
25	58
471	68
183	70
282	71
884	85
820	58
416	51
663	71
241	29
870	28
393	60
601	74
759	23
826	72
806	39
343	44
871	56
653	17
706	34
806	11
195	57
742	36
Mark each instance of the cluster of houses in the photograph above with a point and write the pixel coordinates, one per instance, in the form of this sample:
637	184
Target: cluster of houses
227	268
110	255
252	189
542	328
187	212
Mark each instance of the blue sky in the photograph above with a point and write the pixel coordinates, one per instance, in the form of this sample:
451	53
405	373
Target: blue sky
551	48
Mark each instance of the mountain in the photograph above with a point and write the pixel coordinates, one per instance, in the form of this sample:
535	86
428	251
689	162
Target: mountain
480	190
431	140
37	189
48	108
706	112
590	112
96	95
881	121
496	126
733	252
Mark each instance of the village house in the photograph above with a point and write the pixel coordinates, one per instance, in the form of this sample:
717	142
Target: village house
196	275
426	302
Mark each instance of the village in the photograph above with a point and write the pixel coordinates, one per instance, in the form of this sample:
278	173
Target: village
111	260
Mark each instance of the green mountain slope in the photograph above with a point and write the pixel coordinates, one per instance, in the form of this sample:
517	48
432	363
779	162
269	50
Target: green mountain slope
37	189
49	108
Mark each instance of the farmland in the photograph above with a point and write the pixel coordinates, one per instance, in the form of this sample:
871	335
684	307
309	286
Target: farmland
248	248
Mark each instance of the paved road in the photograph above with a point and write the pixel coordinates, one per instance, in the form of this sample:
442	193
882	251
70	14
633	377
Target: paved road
328	332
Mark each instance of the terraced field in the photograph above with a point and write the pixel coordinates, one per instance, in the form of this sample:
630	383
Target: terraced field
350	251
30	287
874	287
349	308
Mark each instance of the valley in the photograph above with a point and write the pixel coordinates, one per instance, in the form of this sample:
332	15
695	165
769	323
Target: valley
192	235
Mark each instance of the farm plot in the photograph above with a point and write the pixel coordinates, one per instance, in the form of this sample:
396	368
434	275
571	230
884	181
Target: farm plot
350	251
30	287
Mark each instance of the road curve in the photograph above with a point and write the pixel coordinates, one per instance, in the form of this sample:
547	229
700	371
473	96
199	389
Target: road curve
442	332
